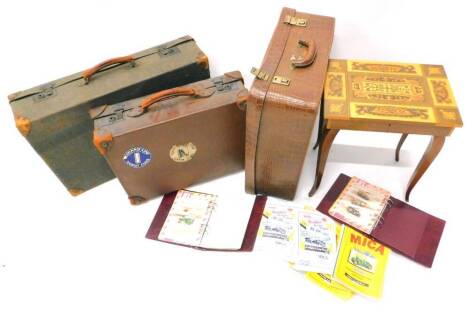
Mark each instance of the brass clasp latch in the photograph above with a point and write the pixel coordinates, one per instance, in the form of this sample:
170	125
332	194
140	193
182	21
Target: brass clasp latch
260	74
45	92
281	80
295	21
277	79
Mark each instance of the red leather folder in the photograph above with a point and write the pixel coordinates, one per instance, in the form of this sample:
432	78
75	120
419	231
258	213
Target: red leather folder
403	228
250	233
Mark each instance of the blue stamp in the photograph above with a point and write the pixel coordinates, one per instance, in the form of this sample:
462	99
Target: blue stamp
137	157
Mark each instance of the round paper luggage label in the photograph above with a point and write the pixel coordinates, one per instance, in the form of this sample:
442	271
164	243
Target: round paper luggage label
182	153
137	157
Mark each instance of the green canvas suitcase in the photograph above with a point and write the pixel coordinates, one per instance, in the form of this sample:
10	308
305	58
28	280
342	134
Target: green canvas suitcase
54	117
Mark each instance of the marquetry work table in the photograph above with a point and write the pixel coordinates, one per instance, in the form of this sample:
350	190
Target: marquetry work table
387	97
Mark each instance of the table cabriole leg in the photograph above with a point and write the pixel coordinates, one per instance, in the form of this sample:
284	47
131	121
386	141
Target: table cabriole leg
434	147
320	126
400	143
325	144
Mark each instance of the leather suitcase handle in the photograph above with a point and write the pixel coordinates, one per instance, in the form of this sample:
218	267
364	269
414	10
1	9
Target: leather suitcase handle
164	94
309	56
87	74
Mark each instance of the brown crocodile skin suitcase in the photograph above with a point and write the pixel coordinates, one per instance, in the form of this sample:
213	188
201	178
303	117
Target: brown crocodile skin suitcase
283	102
174	138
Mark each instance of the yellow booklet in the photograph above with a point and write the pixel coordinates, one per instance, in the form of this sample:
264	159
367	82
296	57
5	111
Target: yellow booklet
328	283
361	263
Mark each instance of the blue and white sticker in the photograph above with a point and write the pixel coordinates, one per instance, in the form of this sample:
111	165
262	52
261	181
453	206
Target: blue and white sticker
137	157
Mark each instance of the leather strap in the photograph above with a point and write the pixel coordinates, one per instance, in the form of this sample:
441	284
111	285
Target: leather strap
87	74
196	91
255	107
309	56
164	94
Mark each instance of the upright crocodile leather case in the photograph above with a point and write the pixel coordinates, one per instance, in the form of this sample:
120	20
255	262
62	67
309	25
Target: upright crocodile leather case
284	101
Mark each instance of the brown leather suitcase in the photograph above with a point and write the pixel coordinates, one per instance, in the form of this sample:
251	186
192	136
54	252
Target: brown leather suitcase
283	102
174	138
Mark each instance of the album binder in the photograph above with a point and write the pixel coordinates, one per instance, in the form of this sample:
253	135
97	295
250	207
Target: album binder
173	221
398	225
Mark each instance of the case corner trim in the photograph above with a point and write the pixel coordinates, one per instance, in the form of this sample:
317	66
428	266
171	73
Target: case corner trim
23	124
102	142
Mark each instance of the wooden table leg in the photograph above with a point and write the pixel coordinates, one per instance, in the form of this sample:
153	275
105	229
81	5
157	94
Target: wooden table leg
320	127
319	135
435	145
325	144
400	143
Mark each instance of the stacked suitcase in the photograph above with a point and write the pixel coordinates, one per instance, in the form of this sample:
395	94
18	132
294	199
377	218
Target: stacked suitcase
157	122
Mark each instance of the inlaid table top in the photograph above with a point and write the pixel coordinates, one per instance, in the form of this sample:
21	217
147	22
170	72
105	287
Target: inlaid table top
387	97
413	94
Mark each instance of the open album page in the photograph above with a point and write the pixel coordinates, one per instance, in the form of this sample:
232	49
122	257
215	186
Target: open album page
360	205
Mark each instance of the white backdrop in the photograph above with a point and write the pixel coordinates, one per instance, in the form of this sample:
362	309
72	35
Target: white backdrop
89	252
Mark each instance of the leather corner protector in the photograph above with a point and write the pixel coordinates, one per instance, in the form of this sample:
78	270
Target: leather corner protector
242	98
75	191
203	61
102	142
136	200
23	124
